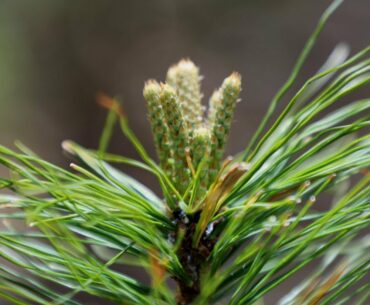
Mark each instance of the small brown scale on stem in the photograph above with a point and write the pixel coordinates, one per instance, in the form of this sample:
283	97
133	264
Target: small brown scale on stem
192	259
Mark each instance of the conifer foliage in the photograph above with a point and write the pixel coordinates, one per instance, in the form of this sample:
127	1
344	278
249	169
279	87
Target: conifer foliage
223	230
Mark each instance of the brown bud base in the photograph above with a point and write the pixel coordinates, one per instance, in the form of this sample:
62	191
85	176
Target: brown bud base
192	259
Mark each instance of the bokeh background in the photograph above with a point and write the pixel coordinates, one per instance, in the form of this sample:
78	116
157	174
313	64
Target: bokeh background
55	56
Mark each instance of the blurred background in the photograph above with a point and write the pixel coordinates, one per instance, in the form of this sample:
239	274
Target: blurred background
55	56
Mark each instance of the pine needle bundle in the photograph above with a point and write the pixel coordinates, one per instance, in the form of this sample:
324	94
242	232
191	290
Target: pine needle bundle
223	230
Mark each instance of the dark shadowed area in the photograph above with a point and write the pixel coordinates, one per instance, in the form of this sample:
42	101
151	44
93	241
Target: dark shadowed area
56	56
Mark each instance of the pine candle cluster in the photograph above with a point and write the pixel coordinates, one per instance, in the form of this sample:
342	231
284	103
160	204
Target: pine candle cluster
189	144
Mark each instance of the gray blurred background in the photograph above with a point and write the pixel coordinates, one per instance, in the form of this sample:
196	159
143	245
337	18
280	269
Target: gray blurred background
55	56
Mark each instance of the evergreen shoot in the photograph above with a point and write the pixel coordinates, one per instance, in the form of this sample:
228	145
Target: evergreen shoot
223	230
